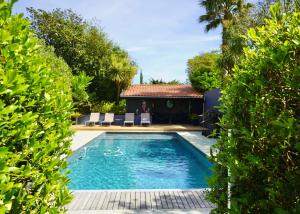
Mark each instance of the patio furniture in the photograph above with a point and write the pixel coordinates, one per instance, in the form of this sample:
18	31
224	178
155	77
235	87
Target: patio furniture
129	118
108	119
210	120
145	119
94	118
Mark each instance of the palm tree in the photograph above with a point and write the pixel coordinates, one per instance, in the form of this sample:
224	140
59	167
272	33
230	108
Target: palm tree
117	74
122	69
219	12
223	13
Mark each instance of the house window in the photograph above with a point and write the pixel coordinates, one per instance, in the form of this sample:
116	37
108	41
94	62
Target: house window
170	104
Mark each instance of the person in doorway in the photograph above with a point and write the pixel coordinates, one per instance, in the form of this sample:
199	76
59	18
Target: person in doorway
144	108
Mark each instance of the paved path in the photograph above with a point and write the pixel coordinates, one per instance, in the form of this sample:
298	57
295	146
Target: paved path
201	142
139	200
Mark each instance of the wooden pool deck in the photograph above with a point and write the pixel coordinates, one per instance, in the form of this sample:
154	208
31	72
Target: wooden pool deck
139	200
136	128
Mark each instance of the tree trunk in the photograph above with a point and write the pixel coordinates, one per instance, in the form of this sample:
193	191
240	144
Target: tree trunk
118	93
224	49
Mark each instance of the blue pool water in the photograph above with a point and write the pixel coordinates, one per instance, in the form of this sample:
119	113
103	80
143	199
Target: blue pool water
138	161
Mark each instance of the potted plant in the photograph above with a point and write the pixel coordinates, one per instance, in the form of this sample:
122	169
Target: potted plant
76	115
194	118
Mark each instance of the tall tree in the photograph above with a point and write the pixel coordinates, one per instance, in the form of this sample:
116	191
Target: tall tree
263	8
203	71
122	70
141	78
161	81
248	17
78	83
84	46
222	13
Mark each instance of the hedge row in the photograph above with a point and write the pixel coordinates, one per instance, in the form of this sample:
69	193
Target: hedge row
257	168
35	110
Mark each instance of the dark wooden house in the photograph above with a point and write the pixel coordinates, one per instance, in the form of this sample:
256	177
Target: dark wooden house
166	103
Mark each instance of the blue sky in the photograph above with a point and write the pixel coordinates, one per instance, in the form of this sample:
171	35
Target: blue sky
160	35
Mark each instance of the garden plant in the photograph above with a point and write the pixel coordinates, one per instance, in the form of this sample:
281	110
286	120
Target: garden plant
35	110
257	163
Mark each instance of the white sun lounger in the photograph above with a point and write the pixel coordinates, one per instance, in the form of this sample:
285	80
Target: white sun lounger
129	118
108	118
94	118
145	119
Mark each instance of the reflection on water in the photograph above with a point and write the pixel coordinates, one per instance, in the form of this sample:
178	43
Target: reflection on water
116	152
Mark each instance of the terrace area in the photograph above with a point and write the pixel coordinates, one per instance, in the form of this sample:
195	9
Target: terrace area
153	127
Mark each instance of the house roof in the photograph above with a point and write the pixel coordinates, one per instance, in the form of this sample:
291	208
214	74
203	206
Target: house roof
161	91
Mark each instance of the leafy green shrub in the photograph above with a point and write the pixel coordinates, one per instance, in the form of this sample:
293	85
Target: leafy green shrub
161	81
63	74
35	110
259	148
75	117
80	83
194	117
60	69
203	71
85	48
105	107
102	107
120	108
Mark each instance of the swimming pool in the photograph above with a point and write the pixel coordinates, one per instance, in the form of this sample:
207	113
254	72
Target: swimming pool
138	161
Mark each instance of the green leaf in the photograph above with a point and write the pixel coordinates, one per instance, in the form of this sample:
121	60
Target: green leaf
281	211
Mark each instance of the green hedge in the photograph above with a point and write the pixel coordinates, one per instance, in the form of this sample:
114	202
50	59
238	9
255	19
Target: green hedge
35	109
259	148
105	107
203	71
